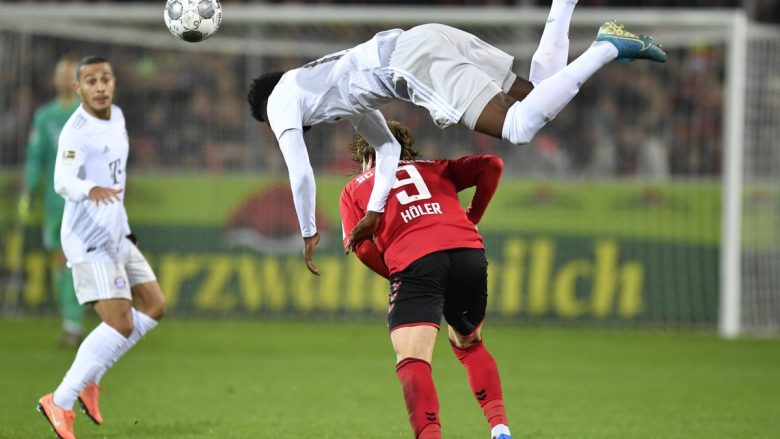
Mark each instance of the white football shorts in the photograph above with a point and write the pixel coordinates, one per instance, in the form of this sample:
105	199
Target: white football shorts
112	280
451	73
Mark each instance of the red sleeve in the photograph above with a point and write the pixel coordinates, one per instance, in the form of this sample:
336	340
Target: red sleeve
369	255
482	171
366	251
350	213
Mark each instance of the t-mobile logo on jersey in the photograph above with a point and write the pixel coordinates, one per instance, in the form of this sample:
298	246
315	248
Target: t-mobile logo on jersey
114	167
423	209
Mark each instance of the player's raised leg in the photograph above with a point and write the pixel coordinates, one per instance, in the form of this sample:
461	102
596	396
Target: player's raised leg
414	349
484	379
518	122
553	51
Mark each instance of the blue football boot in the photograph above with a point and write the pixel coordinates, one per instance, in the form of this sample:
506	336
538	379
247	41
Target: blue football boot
630	47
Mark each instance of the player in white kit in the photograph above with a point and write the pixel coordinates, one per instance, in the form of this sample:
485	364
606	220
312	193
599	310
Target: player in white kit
456	76
109	272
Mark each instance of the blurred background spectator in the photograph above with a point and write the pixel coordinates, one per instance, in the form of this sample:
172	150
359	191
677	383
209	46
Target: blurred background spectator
186	114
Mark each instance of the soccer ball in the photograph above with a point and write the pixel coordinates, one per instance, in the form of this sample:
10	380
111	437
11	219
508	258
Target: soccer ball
193	20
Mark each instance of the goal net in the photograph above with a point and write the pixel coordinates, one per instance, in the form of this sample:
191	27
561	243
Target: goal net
760	247
614	214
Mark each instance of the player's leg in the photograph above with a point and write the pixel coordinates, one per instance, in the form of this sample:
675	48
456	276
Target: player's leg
553	51
483	378
520	121
413	347
94	354
103	284
98	349
416	303
147	310
148	307
465	310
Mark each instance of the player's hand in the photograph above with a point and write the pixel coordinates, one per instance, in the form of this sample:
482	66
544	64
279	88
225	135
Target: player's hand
308	250
364	229
471	216
104	195
24	208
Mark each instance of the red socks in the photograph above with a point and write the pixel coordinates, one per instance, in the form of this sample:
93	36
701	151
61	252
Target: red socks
484	381
422	403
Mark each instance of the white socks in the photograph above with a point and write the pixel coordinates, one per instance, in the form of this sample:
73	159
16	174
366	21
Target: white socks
97	353
525	118
100	345
142	324
499	430
558	20
553	51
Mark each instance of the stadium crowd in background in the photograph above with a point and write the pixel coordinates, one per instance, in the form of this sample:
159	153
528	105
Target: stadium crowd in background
189	115
215	135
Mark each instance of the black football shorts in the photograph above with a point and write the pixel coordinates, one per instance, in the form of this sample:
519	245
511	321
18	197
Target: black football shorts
452	283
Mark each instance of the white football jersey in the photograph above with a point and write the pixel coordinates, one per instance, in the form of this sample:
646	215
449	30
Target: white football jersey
92	152
337	86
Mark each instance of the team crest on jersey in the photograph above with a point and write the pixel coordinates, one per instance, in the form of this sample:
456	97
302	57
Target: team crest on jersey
69	154
120	282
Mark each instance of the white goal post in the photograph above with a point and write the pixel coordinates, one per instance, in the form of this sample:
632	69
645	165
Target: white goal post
251	30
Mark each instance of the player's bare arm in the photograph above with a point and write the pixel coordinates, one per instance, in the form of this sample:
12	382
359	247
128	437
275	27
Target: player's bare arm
364	229
484	172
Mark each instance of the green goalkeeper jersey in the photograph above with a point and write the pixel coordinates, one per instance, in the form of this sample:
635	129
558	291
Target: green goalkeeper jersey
42	153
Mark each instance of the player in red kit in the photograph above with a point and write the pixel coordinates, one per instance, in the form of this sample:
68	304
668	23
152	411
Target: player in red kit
429	248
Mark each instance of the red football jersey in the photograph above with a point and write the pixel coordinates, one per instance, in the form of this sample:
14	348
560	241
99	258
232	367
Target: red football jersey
423	214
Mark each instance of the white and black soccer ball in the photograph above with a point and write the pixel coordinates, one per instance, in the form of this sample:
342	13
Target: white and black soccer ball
193	20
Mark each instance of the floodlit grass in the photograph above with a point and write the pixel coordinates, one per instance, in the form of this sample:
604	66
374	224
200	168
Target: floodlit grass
256	379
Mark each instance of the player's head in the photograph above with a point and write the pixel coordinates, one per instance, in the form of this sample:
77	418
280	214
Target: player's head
259	90
95	84
364	153
64	76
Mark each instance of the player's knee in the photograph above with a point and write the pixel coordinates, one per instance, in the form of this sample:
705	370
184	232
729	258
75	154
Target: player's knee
123	324
157	310
518	126
465	342
516	133
461	341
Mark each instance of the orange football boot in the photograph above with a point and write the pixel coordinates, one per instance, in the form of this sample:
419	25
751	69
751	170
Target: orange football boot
61	420
88	399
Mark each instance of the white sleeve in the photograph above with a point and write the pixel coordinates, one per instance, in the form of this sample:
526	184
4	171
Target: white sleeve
302	182
373	127
126	225
70	161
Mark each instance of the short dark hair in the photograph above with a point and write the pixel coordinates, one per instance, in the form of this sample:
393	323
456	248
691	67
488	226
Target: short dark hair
88	60
259	91
362	152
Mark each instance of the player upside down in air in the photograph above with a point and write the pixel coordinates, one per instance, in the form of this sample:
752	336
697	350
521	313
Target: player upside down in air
429	248
109	272
456	76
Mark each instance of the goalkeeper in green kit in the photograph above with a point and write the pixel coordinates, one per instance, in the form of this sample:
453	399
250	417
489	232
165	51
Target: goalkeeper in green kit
39	171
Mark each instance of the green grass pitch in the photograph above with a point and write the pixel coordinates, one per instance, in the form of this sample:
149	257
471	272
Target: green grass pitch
257	379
